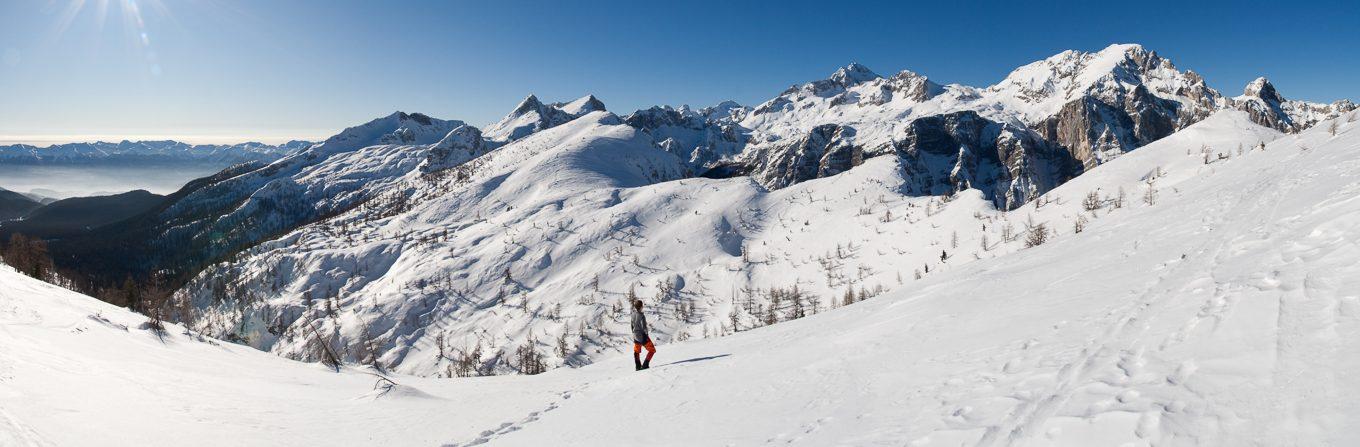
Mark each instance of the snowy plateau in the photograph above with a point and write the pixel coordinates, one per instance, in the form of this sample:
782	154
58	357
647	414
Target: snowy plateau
1098	250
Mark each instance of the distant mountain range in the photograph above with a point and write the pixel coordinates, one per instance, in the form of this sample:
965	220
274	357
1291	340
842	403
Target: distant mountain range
128	152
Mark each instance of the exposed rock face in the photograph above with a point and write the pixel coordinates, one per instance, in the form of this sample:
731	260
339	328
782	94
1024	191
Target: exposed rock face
943	153
1093	131
700	137
1268	108
825	150
962	150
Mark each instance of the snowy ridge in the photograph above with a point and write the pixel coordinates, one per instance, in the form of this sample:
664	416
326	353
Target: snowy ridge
532	115
1215	311
250	202
324	177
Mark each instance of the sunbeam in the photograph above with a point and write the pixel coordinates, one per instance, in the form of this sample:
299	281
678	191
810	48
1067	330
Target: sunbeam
138	37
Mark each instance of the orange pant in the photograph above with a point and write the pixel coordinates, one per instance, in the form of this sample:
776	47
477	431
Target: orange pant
651	349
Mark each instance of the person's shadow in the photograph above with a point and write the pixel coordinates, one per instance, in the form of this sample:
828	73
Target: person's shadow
697	359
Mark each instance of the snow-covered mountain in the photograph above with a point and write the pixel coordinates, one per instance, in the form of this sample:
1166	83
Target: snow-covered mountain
1195	304
250	202
413	242
539	241
1044	123
127	152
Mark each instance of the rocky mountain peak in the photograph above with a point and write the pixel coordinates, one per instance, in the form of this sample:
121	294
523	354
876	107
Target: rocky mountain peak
1262	88
583	105
532	115
418	118
853	74
915	86
529	104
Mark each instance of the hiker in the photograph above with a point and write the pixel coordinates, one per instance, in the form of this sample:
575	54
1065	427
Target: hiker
640	338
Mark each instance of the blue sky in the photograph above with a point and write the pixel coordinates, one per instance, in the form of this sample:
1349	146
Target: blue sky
218	70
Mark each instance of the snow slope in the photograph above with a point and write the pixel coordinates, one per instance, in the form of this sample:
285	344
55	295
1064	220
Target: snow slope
575	235
1224	313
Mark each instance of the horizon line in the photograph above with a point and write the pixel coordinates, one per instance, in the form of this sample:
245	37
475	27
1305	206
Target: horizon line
48	140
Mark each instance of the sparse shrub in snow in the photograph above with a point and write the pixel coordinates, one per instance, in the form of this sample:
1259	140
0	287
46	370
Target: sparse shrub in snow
562	346
467	363
1079	225
527	358
1332	127
321	349
1150	195
1037	235
1091	202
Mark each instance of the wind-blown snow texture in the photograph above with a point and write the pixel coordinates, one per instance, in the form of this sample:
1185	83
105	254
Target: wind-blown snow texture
1220	312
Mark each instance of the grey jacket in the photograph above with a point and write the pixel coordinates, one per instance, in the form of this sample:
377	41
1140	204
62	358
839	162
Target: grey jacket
640	328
